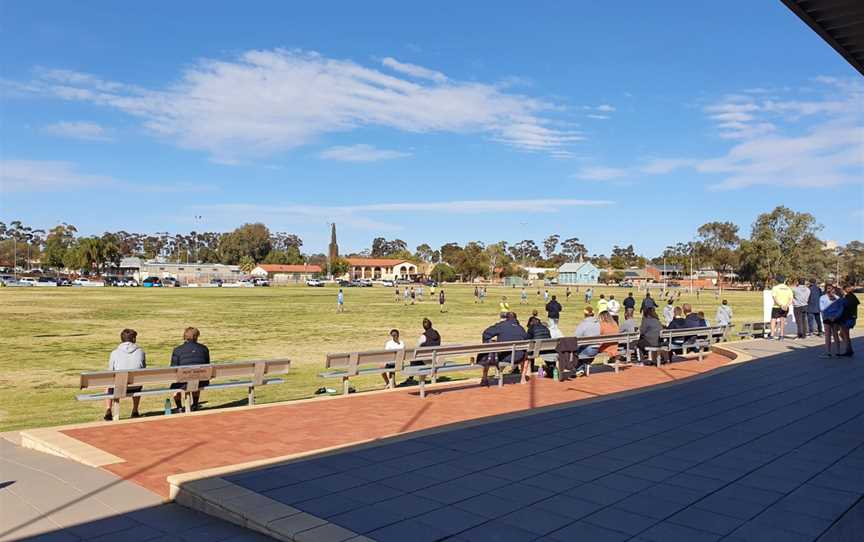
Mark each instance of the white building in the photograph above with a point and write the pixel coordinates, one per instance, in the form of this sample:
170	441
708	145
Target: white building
287	274
380	269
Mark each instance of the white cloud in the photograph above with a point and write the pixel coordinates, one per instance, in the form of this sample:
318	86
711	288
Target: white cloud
600	173
414	70
605	108
62	176
266	101
595	116
360	153
87	131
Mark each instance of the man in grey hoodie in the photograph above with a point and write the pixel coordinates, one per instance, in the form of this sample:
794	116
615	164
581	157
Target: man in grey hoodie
128	355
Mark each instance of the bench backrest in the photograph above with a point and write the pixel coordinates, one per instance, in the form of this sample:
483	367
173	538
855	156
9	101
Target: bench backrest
706	332
256	370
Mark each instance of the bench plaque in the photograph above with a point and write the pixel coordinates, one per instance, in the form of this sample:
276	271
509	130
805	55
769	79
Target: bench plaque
189	374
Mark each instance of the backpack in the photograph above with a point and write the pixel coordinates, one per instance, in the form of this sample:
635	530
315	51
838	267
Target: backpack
834	310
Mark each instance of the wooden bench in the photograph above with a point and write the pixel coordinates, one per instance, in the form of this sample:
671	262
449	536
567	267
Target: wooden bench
754	330
674	340
439	359
345	365
239	374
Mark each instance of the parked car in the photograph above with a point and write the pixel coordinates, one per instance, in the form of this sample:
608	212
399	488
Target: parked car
152	282
346	284
318	283
48	282
110	281
64	281
8	280
84	281
217	282
261	281
387	283
170	282
27	281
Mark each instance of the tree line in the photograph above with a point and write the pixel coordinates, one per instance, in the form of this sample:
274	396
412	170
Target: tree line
782	241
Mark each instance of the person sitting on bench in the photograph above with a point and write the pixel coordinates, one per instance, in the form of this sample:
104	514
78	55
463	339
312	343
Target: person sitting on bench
649	332
589	327
393	344
127	356
191	352
536	331
505	330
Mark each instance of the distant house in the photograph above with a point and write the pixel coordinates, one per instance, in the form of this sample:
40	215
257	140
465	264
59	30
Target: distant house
578	273
639	277
287	274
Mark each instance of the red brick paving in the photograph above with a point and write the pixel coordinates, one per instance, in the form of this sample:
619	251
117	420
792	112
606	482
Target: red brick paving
158	448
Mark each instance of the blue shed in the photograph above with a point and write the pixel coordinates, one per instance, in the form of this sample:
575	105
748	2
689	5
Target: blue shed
578	273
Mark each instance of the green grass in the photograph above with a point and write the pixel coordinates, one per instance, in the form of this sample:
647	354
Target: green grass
49	336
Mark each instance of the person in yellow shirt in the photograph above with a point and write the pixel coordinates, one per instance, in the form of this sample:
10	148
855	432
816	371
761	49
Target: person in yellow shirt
602	304
782	295
504	306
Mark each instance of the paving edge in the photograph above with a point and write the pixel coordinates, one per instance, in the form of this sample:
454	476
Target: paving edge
54	442
227	501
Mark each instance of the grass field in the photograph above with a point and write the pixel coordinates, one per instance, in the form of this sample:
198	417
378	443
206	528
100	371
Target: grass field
49	336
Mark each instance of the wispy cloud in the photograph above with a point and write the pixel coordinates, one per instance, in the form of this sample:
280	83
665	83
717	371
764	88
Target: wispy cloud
599	112
361	153
86	131
61	176
358	215
266	101
413	70
770	146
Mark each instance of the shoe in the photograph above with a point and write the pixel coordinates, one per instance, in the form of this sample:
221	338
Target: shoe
195	407
484	382
848	354
107	417
826	356
136	414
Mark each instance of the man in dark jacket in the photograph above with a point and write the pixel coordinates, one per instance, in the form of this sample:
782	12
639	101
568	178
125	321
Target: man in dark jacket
553	311
647	303
629	302
814	315
503	331
191	352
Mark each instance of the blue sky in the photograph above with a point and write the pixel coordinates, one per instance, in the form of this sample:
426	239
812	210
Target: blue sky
632	122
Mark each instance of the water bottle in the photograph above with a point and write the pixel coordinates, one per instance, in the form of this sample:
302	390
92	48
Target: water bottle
167	407
555	373
541	372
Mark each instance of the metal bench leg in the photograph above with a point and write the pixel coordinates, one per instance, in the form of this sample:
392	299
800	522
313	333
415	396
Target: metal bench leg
500	377
115	409
345	385
251	396
422	386
187	401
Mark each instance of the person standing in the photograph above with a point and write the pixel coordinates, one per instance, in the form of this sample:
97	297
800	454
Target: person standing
602	304
648	303
191	352
814	315
553	312
546	295
441	300
724	314
800	300
413	295
405	296
832	306
523	297
420	294
398	297
669	312
613	307
848	318
127	356
782	296
568	294
630	302
340	301
476	294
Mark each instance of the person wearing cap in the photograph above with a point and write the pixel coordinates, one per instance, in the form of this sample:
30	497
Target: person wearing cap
800	300
782	296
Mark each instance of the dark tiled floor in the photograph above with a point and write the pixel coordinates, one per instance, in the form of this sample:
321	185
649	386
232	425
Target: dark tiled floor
770	450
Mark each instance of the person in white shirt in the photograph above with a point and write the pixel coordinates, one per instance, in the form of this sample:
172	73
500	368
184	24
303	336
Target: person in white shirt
612	307
669	312
393	344
724	314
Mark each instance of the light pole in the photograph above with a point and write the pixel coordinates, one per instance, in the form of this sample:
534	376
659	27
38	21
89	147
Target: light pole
15	255
329	263
199	220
